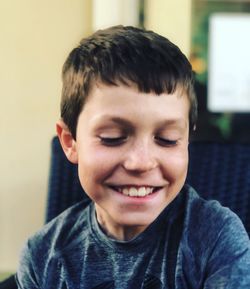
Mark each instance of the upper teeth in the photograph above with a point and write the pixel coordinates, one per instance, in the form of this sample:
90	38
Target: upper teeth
137	192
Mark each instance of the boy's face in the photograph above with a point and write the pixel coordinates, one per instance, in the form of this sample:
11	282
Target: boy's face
132	153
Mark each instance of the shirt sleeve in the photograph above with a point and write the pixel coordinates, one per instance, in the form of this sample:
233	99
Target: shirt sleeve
229	263
25	277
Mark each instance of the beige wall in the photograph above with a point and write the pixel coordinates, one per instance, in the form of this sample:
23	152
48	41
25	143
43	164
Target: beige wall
35	38
172	19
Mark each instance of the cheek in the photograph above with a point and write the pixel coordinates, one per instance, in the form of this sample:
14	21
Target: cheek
176	165
95	165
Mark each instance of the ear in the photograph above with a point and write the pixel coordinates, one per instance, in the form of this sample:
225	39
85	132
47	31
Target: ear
67	141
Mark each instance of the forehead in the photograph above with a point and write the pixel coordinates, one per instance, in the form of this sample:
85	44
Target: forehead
121	101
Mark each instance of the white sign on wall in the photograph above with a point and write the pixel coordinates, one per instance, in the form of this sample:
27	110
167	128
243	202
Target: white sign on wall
229	63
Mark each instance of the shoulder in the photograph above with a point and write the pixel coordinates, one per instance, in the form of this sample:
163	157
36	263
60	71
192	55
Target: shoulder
209	215
209	227
60	232
214	241
42	251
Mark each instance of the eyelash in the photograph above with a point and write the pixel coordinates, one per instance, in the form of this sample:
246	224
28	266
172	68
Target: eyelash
116	141
112	141
165	142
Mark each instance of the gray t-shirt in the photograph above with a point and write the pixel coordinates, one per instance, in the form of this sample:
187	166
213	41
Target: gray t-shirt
73	252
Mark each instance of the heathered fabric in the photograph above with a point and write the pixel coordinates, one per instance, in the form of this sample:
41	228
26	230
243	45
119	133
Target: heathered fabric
72	251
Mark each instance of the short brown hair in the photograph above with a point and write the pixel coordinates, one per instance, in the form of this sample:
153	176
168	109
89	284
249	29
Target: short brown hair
124	54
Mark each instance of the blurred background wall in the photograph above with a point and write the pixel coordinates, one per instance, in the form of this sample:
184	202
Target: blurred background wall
35	38
171	19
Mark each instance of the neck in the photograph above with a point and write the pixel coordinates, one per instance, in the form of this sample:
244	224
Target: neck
114	230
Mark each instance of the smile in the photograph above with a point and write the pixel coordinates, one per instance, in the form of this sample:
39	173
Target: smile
133	191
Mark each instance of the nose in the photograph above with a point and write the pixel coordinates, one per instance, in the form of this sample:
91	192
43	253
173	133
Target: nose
140	157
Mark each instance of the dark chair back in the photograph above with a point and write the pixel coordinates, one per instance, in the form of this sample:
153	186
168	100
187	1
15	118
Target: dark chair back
9	283
221	171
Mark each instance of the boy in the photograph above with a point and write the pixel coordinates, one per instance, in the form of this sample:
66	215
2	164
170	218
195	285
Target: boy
126	111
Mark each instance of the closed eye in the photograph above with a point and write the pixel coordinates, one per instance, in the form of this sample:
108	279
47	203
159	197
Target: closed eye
165	142
112	141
